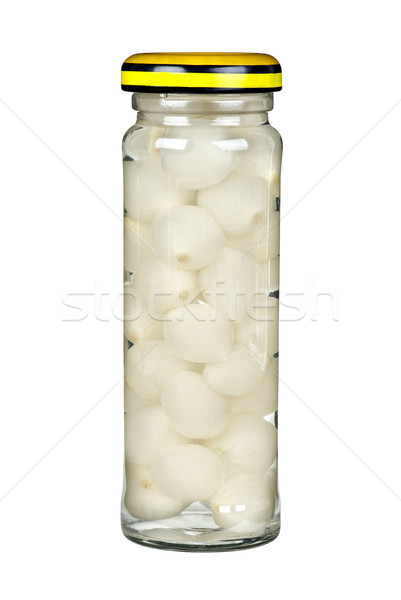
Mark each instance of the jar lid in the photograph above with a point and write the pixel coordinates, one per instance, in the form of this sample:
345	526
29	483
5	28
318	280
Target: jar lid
201	72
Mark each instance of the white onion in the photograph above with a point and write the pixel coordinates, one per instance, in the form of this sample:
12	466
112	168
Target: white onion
248	443
198	333
266	242
263	400
133	402
244	503
229	281
272	479
143	328
263	244
187	237
139	326
148	190
137	244
239	204
274	189
268	274
238	373
189	472
243	243
197	157
194	409
259	331
162	288
263	154
147	366
256	158
270	270
140	143
143	500
147	434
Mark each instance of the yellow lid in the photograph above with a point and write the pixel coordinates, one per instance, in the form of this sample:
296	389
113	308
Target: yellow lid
201	72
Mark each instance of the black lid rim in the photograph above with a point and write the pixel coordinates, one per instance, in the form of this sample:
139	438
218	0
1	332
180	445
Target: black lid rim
195	90
216	69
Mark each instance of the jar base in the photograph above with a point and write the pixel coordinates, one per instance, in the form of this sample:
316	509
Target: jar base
193	531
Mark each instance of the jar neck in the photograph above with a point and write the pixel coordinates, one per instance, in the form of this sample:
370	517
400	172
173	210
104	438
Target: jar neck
219	109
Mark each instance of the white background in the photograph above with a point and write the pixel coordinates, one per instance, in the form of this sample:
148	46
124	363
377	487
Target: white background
62	116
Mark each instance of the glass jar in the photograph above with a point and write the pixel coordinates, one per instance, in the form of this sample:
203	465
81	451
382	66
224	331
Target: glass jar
201	263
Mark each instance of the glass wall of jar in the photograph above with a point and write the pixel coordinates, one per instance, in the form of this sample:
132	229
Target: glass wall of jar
201	260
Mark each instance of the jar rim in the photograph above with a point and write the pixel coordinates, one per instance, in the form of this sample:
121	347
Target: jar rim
206	103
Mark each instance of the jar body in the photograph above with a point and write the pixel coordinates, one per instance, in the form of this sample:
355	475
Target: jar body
201	263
